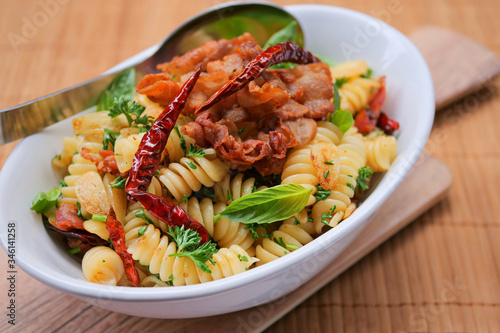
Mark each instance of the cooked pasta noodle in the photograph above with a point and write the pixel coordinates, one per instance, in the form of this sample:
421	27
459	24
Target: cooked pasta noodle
286	239
102	265
299	169
381	152
153	250
352	158
190	173
355	94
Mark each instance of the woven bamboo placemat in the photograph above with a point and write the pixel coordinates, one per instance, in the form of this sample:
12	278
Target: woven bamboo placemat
441	273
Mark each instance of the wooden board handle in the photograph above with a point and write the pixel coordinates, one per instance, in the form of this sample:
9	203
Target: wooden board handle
458	64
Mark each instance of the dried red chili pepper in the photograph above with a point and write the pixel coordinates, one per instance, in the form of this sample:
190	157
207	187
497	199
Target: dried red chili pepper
386	124
117	236
147	159
282	52
366	119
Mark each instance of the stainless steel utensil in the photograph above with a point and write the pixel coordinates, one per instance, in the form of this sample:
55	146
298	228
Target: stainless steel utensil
225	21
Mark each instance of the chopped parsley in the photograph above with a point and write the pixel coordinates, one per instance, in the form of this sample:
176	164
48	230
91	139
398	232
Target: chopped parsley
140	214
363	179
368	74
184	198
119	182
325	218
132	111
188	245
141	231
341	81
181	138
74	251
326	174
242	258
196	153
329	162
252	228
192	165
321	194
351	186
109	139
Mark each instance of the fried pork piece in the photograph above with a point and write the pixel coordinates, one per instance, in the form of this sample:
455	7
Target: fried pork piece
255	126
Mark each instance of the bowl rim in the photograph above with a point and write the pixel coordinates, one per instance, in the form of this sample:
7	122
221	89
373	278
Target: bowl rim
364	212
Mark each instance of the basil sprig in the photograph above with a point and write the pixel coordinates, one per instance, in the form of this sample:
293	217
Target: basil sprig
287	34
45	201
270	205
341	118
122	85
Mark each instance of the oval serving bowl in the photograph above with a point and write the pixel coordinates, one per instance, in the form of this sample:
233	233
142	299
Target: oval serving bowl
335	33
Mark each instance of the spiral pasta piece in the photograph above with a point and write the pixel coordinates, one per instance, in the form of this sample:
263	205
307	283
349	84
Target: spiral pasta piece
63	160
125	149
224	232
299	169
356	93
349	69
227	190
338	205
79	166
173	147
286	239
102	265
153	251
381	152
327	132
97	227
190	173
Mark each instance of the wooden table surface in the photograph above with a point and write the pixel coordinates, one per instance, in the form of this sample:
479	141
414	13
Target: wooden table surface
441	273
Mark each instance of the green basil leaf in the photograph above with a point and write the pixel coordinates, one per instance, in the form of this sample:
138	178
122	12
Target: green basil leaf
45	201
122	85
287	34
270	205
336	98
343	119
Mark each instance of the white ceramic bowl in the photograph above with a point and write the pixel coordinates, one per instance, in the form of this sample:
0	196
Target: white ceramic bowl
336	33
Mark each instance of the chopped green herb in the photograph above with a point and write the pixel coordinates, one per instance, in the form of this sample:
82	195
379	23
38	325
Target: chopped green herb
267	235
74	251
111	244
326	174
296	222
141	214
79	214
363	179
123	85
141	231
340	82
181	138
191	165
109	139
99	217
329	162
368	74
45	201
132	111
184	198
242	258
193	152
188	241
325	218
292	246
229	195
321	194
119	182
310	219
252	228
280	241
351	186
208	192
62	183
241	131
